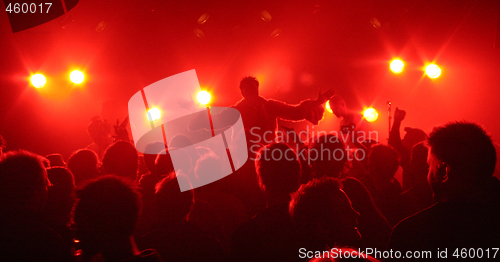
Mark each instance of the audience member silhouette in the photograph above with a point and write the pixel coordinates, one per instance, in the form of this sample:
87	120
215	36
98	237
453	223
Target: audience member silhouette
60	202
216	210
405	145
497	167
23	194
373	226
328	157
419	197
152	150
172	235
105	217
383	163
461	161
323	216
121	159
83	165
55	160
270	236
148	180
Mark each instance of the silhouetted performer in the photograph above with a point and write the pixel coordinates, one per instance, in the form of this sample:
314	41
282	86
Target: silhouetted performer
105	218
461	161
100	132
351	124
270	236
24	235
260	115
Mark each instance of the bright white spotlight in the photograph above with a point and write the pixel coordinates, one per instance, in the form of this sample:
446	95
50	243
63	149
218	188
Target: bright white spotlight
154	114
76	77
370	114
203	97
397	66
38	80
433	71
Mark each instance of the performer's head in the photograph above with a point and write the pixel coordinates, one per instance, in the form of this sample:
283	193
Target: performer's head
337	104
249	87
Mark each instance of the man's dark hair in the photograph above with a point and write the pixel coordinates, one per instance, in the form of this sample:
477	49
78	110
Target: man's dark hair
108	206
249	86
464	146
383	160
278	168
83	165
22	174
121	159
171	203
327	155
312	202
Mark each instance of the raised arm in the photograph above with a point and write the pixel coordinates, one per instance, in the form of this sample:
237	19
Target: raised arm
310	110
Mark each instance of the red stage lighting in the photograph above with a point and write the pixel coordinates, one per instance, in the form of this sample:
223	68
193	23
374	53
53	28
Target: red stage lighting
154	114
397	66
204	97
38	80
76	77
370	114
433	71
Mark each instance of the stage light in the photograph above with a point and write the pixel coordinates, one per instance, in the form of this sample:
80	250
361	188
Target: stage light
38	80
154	114
203	97
328	108
433	71
76	77
370	114
397	66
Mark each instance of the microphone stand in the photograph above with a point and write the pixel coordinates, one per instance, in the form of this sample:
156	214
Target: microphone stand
389	104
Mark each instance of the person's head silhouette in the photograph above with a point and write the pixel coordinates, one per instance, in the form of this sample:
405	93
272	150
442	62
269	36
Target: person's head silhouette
323	214
278	169
461	156
105	217
23	181
249	87
121	159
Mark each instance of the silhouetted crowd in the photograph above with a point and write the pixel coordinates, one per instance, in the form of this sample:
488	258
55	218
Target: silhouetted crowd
284	206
